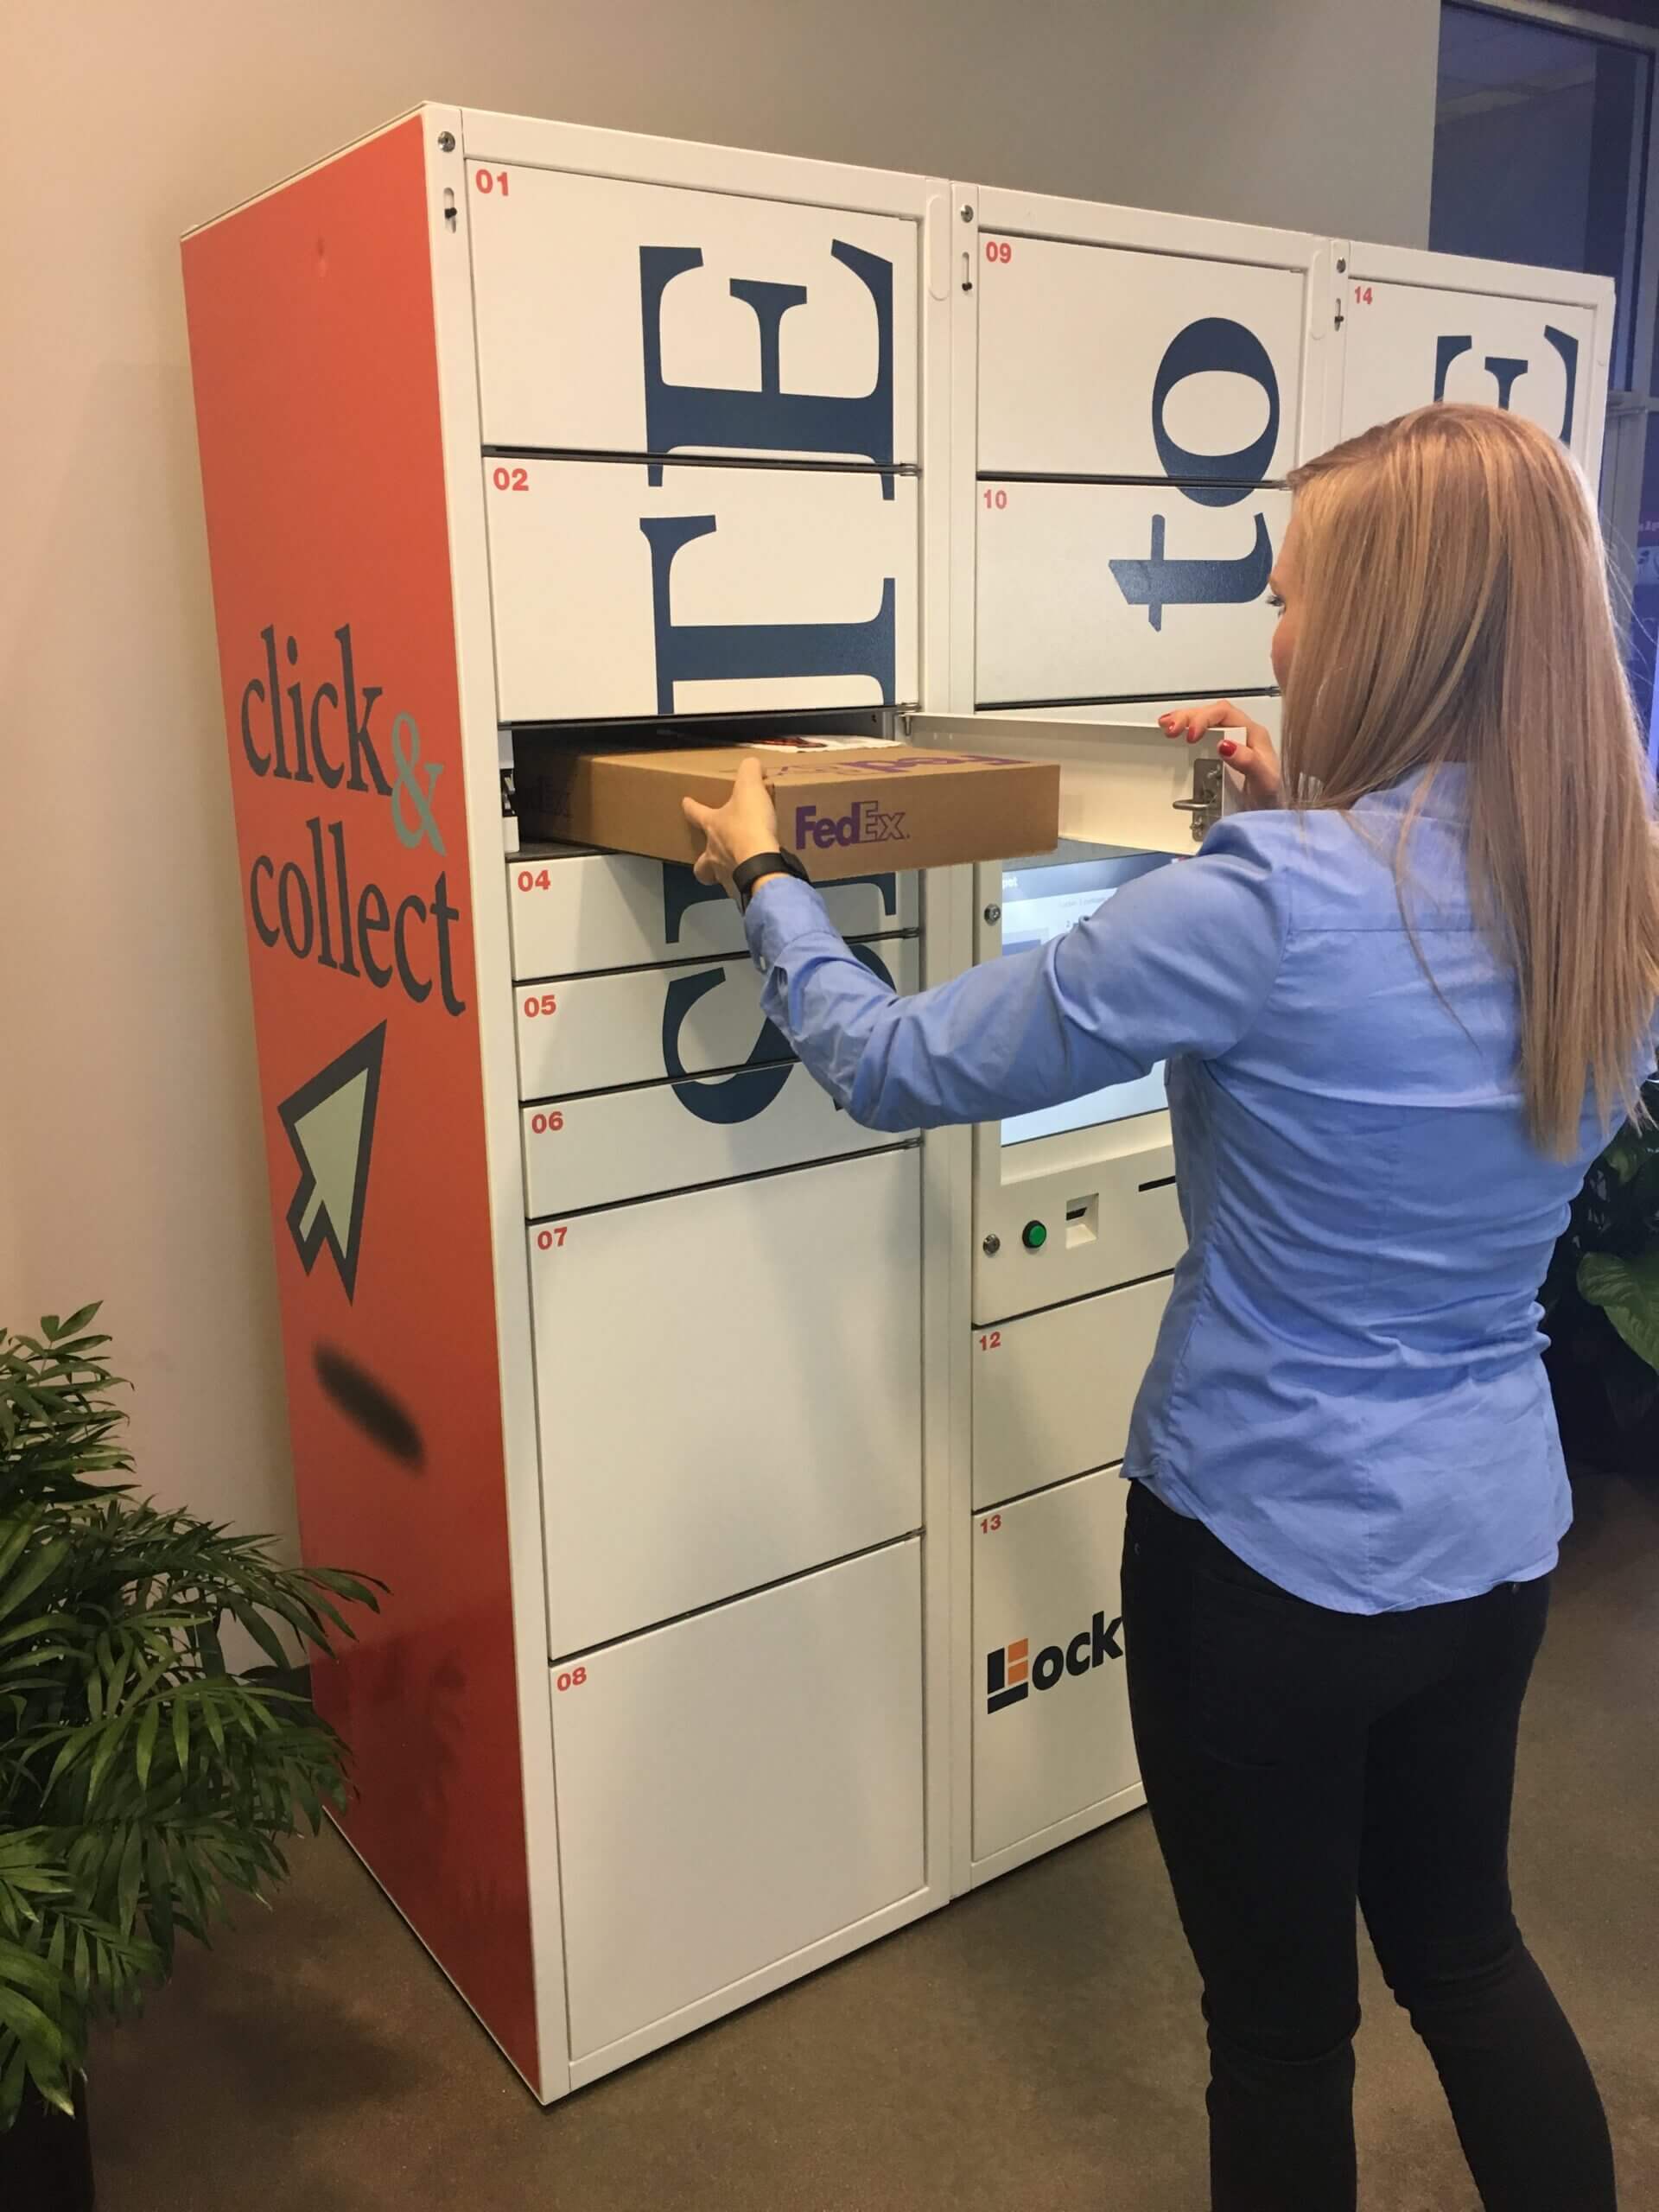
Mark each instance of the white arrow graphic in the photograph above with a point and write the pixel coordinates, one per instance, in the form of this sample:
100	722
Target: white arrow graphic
330	1125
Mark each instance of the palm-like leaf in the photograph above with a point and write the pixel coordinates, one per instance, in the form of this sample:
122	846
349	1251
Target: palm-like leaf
142	1783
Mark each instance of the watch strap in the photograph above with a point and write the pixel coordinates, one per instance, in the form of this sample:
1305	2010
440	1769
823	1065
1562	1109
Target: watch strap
749	872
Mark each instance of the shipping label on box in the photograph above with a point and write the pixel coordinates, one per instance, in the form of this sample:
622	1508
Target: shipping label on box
846	810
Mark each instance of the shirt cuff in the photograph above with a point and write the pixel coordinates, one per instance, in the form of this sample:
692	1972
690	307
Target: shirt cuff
781	911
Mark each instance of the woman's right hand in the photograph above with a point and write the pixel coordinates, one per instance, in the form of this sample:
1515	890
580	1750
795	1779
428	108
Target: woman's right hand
1250	754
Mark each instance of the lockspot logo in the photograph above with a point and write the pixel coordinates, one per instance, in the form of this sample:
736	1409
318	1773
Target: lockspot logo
864	824
1011	1672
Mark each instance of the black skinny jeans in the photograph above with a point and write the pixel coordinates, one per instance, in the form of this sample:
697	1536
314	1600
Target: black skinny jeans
1298	1761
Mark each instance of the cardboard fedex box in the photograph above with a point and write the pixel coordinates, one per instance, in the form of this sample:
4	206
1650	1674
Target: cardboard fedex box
847	807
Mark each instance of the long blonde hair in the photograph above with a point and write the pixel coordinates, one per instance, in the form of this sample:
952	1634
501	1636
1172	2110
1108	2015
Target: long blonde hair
1454	606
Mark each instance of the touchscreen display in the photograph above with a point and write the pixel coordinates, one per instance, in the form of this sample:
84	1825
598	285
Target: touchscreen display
1041	900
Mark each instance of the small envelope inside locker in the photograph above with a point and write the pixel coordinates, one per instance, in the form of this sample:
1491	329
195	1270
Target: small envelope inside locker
847	808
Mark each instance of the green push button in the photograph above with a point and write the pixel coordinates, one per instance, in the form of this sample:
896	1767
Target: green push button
1034	1236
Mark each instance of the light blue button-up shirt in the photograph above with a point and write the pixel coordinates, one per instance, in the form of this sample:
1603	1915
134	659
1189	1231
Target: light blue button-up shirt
1347	1388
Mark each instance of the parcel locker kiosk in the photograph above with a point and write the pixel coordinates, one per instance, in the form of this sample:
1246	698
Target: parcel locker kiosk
510	428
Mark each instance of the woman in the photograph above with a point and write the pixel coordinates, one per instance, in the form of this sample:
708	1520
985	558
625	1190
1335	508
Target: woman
1402	998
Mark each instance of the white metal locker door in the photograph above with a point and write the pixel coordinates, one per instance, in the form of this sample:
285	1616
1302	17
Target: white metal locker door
617	317
1097	591
1406	344
1094	361
1053	1392
615	1145
734	1787
1052	1739
713	590
797	1296
598	1032
574	912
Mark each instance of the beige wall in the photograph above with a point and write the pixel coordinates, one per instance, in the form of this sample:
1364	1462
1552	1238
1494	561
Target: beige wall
131	1167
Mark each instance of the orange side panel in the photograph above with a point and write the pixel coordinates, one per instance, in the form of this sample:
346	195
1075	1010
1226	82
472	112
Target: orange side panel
314	350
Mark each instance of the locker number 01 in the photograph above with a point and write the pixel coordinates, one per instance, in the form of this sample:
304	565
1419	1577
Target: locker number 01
491	181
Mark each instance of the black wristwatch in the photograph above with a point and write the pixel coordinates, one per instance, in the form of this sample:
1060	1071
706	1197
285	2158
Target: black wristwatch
750	871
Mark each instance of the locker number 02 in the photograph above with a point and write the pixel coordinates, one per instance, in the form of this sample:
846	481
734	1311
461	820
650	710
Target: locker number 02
510	480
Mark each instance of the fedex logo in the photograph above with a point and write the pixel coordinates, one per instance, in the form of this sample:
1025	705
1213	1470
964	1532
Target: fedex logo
1010	1671
864	824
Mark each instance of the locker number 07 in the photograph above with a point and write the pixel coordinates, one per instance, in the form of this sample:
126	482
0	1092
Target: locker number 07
551	1240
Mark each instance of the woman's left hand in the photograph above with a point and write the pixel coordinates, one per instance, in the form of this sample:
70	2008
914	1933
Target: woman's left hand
746	825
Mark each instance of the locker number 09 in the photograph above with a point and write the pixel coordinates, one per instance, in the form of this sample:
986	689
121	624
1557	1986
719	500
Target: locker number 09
998	249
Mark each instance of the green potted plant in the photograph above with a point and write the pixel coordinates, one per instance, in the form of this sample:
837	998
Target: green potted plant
1601	1304
141	1781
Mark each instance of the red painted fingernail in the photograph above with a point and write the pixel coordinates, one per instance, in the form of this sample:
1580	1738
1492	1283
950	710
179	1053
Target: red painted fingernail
1227	748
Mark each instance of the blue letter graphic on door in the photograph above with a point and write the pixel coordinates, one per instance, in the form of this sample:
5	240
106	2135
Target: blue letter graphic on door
1506	369
770	420
702	652
1155	583
1215	344
751	1089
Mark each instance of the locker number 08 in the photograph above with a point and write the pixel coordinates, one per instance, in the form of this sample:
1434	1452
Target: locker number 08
572	1678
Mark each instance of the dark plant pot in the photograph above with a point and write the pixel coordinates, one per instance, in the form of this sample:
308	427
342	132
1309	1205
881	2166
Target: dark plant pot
46	2160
